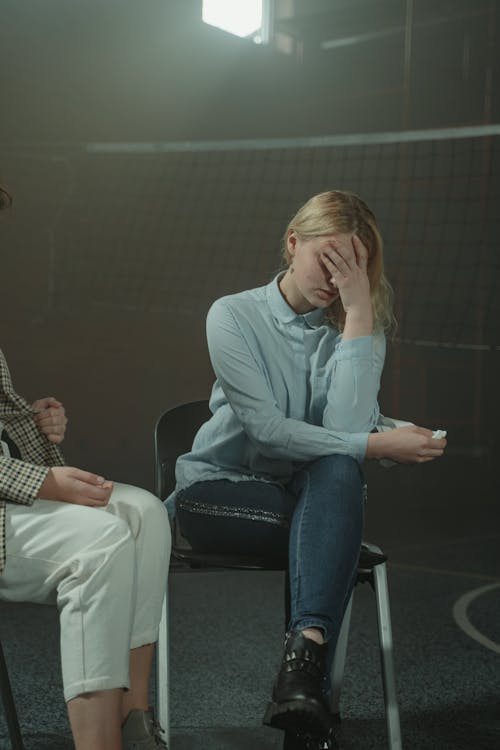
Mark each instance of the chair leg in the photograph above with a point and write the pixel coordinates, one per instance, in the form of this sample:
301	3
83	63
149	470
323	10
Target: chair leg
288	599
338	666
9	706
387	657
163	672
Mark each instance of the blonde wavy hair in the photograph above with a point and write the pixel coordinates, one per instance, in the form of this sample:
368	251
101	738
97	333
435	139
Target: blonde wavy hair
342	212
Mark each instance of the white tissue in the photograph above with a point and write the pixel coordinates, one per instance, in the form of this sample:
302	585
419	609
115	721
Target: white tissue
438	434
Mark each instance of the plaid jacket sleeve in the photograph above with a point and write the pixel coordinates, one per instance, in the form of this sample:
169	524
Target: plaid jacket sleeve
20	477
20	480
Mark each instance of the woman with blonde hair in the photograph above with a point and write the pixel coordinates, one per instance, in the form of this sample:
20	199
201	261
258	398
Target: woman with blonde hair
277	468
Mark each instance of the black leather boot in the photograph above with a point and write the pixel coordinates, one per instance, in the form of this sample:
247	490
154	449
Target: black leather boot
298	702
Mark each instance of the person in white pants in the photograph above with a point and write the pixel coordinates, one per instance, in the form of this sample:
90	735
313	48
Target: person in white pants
97	549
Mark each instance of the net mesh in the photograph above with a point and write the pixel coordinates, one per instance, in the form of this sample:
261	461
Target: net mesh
167	232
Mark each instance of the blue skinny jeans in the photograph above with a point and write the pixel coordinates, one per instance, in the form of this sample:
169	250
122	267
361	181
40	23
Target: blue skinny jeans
316	521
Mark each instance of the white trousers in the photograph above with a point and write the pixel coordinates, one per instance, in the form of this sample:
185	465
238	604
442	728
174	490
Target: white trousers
106	568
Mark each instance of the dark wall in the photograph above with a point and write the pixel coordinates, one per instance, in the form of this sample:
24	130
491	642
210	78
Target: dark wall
122	70
111	261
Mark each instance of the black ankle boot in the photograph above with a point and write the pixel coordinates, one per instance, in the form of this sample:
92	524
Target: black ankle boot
298	702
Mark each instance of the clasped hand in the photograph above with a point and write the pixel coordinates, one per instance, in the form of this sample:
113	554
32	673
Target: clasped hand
68	484
406	445
50	418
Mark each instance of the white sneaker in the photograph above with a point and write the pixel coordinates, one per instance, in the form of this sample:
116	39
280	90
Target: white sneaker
141	731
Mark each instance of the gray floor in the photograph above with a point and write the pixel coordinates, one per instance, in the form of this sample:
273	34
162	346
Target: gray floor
440	528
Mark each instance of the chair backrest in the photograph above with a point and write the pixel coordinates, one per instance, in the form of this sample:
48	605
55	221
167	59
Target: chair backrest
174	433
173	436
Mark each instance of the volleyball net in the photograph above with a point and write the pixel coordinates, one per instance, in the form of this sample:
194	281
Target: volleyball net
166	228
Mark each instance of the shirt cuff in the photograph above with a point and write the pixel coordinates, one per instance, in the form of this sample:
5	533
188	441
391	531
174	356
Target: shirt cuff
359	444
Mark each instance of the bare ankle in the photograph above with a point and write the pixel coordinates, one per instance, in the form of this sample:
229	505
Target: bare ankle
315	634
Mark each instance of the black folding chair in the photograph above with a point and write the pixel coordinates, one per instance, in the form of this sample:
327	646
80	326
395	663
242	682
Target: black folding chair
9	706
174	433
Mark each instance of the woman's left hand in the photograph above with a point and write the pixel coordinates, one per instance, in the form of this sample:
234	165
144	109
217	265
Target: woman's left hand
50	418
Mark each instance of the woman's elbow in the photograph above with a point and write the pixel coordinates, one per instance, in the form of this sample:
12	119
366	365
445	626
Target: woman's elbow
348	423
267	440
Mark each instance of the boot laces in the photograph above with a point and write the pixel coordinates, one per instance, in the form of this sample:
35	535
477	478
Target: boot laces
157	732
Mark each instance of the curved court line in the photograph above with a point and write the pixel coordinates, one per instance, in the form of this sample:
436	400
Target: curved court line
463	622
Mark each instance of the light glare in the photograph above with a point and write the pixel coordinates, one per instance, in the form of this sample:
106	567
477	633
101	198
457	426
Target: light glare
239	17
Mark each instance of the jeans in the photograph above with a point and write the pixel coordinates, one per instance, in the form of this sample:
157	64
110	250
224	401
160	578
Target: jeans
317	519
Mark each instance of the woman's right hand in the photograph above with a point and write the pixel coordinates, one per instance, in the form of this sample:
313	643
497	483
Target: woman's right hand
50	418
405	445
347	264
69	485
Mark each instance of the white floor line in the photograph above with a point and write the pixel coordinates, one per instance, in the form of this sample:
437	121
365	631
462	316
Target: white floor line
461	618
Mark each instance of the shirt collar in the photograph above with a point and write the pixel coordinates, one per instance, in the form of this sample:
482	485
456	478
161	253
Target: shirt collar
282	311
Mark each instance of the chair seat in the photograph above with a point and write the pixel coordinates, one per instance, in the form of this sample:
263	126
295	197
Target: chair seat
218	560
182	551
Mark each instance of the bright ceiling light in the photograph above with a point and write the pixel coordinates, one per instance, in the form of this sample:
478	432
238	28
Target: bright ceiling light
239	17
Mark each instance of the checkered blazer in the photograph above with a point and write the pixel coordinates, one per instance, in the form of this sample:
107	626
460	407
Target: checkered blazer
20	480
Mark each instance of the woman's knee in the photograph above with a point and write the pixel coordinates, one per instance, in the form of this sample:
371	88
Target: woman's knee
128	497
339	469
332	485
143	512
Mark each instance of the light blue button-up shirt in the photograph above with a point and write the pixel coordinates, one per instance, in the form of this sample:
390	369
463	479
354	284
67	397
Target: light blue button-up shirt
288	391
